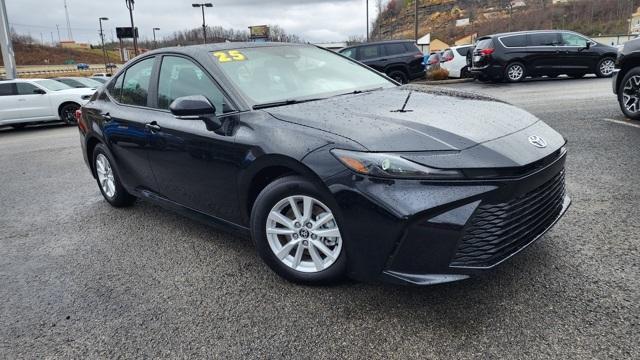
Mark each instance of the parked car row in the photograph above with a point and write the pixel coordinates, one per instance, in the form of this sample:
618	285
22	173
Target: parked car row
28	101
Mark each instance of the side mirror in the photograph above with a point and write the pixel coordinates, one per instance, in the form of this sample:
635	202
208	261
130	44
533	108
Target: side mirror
196	107
39	91
589	44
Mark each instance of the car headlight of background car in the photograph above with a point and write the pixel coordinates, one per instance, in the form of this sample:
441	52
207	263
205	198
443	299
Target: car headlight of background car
390	166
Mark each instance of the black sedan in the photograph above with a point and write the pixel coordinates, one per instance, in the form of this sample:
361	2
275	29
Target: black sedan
330	167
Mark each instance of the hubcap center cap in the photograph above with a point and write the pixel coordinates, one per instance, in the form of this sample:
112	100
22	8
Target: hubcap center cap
304	233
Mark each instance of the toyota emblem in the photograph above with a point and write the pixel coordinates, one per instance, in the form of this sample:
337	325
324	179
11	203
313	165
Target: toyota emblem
537	141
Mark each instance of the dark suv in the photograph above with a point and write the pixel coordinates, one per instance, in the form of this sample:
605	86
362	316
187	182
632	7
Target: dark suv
514	56
626	81
400	60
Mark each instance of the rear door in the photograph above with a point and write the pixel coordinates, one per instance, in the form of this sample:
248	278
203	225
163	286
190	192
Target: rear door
543	53
124	117
373	55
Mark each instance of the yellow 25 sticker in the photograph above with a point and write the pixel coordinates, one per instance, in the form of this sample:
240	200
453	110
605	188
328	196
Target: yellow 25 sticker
227	56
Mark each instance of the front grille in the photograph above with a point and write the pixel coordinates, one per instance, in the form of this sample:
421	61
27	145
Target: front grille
500	230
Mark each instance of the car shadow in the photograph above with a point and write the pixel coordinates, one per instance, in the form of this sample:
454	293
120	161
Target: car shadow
33	128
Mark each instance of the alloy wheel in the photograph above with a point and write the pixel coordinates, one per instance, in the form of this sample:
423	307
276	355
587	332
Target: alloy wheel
515	73
105	175
303	234
69	114
631	94
607	67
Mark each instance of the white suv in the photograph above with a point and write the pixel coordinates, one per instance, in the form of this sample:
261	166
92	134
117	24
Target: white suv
24	101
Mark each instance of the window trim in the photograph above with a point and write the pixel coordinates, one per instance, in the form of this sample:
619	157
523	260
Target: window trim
154	73
156	85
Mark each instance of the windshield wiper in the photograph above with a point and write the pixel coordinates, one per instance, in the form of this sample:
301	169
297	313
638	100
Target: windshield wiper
284	102
360	91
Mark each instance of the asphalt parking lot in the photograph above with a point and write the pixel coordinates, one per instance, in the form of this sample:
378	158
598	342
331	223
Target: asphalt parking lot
83	280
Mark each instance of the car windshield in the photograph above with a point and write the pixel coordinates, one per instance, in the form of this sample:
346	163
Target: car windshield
286	73
53	85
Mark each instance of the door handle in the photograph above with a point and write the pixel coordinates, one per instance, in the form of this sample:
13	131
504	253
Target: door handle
106	117
153	126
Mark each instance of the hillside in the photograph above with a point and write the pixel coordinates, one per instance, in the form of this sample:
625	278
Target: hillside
33	54
591	17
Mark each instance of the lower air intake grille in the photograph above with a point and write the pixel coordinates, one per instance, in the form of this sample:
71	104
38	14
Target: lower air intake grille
499	230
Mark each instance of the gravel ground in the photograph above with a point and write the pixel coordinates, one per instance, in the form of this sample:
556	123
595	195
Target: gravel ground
83	280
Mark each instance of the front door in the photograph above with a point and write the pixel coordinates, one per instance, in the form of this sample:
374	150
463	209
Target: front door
195	167
577	58
33	105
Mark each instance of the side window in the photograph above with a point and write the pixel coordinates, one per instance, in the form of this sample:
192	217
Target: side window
514	41
411	47
394	49
26	89
544	39
115	87
349	53
7	89
369	52
135	87
573	40
181	77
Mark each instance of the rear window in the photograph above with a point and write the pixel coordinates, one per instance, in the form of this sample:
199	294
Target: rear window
543	39
514	41
463	51
484	44
394	49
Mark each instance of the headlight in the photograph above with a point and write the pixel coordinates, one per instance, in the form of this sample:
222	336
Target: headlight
390	166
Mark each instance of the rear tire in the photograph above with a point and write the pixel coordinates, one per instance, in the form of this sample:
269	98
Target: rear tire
515	72
108	179
606	67
298	251
629	94
399	76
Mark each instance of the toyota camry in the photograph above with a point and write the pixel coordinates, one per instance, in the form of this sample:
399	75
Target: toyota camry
329	166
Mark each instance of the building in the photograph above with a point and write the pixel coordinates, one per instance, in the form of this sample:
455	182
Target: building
518	4
466	40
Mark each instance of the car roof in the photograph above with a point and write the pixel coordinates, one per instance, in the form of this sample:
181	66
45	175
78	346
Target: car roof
197	49
527	32
378	43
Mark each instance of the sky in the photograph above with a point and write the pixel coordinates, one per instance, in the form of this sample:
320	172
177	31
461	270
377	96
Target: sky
313	20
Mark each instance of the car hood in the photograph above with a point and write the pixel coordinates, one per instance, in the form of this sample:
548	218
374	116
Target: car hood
434	119
76	91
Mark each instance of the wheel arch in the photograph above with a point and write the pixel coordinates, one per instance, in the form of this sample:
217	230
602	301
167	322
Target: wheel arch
65	103
92	142
264	171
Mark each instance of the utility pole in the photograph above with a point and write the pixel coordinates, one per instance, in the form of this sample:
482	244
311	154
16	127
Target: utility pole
8	55
367	11
416	9
204	25
53	43
66	11
155	43
104	51
58	28
130	5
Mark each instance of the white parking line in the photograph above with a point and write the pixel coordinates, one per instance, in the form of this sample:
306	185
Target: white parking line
628	123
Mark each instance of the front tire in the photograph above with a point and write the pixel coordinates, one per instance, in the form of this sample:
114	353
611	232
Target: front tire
515	72
108	179
68	113
629	94
295	227
605	67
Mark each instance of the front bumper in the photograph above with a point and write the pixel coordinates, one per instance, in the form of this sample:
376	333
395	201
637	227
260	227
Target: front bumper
418	232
